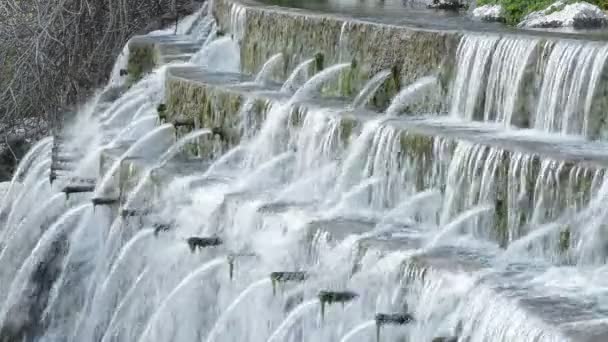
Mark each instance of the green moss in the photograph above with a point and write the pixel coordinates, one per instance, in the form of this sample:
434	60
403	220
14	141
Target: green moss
374	47
416	145
296	117
347	126
162	112
515	10
141	61
564	240
319	62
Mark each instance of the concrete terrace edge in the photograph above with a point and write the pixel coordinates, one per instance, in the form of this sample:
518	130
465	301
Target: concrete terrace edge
409	52
370	47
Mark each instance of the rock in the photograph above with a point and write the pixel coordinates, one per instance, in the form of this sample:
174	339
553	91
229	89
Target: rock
576	15
453	5
493	13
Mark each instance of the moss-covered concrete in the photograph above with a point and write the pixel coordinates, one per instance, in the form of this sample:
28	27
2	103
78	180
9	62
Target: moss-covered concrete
210	108
369	47
143	58
508	178
149	52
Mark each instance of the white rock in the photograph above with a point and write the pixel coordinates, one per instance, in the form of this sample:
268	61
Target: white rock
578	15
489	13
446	4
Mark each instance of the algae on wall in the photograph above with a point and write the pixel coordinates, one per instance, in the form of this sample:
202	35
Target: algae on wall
409	53
142	59
212	107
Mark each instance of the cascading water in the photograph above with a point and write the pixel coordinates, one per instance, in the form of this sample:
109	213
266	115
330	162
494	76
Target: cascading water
317	208
219	55
268	68
495	76
370	89
298	76
565	101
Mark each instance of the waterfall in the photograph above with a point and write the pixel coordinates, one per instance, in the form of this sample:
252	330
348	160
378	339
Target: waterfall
268	68
495	78
317	219
473	57
567	91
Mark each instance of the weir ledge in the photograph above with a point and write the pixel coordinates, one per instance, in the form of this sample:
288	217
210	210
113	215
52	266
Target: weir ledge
565	172
408	52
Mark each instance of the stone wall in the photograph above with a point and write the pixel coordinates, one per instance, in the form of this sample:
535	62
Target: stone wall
369	47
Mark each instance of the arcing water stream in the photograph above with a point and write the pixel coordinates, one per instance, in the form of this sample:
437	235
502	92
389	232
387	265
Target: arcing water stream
424	228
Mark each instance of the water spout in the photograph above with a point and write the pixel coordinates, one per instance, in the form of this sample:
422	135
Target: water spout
221	321
356	330
20	281
298	76
221	55
370	89
314	84
174	149
116	315
457	223
24	165
133	150
301	309
410	94
268	68
192	277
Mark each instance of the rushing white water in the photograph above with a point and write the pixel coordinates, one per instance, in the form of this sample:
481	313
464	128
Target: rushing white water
467	237
221	321
26	163
494	78
473	55
457	223
301	309
565	101
268	68
370	89
202	270
317	81
220	55
139	146
298	76
21	282
356	330
410	94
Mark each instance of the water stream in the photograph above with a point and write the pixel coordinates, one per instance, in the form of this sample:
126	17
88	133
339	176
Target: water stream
461	227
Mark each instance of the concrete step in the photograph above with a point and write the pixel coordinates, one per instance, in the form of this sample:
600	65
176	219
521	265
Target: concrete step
433	148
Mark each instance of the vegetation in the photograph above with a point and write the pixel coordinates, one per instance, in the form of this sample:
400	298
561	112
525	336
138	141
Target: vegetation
55	53
515	10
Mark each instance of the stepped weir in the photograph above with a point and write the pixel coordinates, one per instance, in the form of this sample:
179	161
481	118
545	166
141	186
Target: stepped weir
267	173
